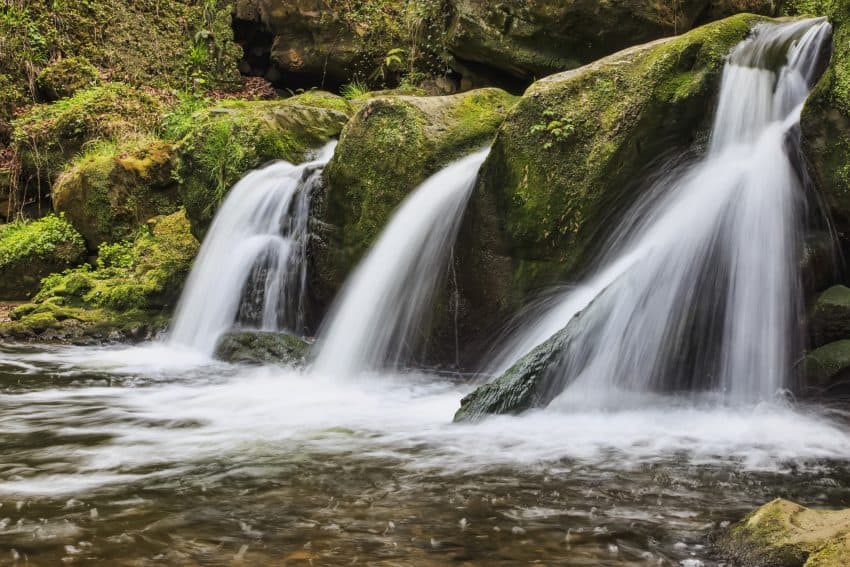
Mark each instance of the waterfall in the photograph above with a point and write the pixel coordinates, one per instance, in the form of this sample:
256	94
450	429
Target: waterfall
251	269
699	288
381	308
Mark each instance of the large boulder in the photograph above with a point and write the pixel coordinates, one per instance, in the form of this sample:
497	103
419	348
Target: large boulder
574	152
830	318
128	293
825	124
784	534
827	368
528	40
224	142
388	148
30	251
114	188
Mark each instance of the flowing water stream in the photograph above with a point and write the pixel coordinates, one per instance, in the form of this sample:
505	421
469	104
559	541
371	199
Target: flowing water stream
157	454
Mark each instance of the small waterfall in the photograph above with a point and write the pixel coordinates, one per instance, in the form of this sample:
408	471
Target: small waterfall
699	289
251	269
375	319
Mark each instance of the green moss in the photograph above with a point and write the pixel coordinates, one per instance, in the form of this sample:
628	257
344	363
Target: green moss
133	283
577	141
226	141
111	189
65	77
827	364
49	135
392	145
31	250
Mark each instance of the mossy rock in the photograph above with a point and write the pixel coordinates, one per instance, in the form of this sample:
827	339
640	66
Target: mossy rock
224	142
65	77
575	152
112	189
784	534
30	251
387	149
830	319
825	121
128	293
261	347
49	135
828	367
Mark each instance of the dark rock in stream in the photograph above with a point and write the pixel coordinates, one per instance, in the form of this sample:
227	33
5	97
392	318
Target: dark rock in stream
262	347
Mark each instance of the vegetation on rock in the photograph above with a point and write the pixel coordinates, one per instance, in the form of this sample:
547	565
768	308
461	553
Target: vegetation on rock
258	347
786	534
65	77
32	250
128	290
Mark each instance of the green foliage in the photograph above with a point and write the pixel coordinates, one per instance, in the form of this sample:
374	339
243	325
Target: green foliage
44	238
807	7
180	118
354	90
553	129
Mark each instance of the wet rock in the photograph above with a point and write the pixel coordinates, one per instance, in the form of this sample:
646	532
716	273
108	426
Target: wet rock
830	319
784	534
259	347
828	367
574	152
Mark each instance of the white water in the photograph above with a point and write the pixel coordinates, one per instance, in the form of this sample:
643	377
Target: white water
157	429
252	264
379	312
710	256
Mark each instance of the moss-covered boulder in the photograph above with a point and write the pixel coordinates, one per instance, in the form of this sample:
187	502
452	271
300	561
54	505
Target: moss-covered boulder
112	189
830	318
128	293
574	151
49	135
784	534
390	146
30	251
825	122
260	347
66	76
224	142
828	367
530	40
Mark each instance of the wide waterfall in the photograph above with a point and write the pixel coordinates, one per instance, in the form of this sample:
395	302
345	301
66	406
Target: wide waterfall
699	288
252	267
375	321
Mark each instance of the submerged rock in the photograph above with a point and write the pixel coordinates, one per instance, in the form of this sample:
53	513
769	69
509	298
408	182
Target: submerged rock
226	141
30	251
388	148
261	347
785	534
113	189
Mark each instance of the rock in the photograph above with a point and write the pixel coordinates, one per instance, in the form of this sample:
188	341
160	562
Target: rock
49	135
111	190
260	347
225	142
30	251
127	293
784	534
830	319
825	124
65	77
828	367
573	152
388	148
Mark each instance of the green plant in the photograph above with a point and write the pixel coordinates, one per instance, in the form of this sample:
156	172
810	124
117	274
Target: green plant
554	129
353	90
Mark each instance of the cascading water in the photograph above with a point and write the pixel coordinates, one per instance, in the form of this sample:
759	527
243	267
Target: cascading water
699	289
381	308
251	268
